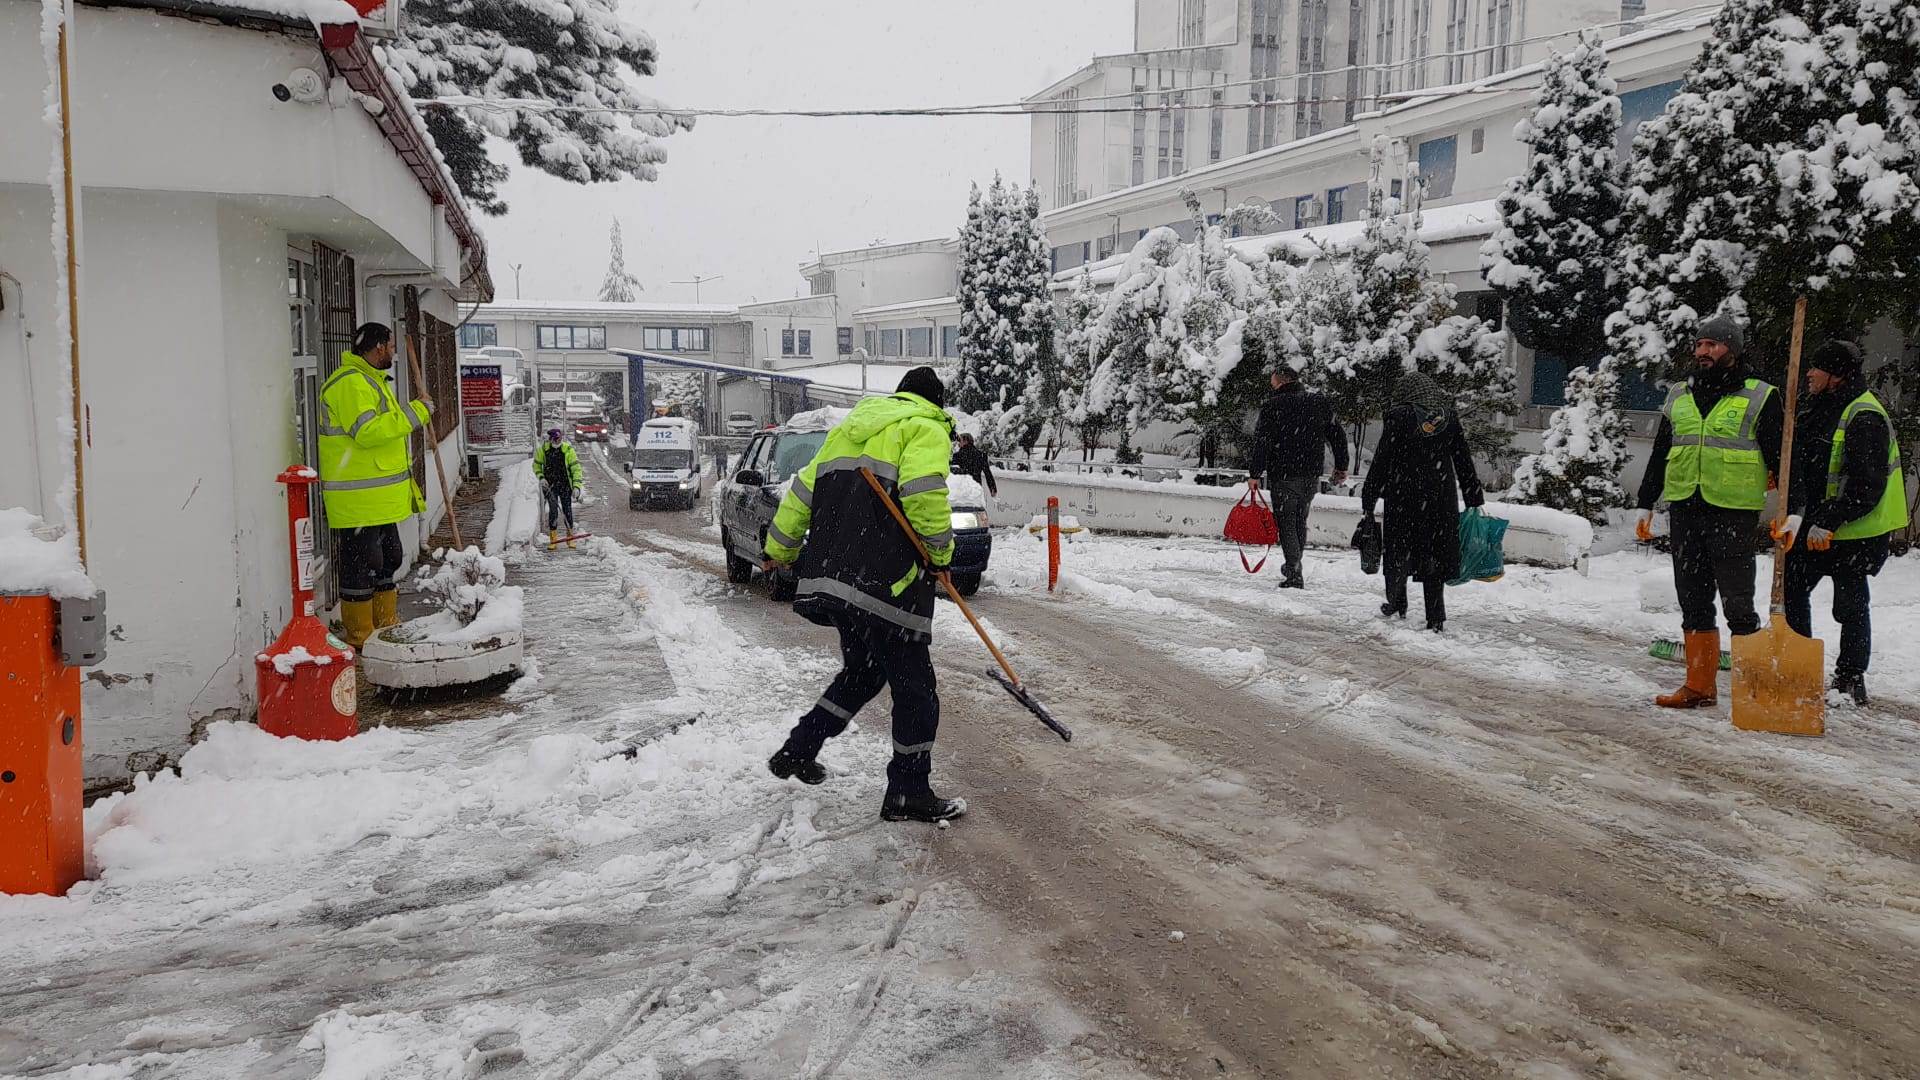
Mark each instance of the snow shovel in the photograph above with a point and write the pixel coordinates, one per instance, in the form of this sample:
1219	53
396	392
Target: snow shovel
1009	679
1779	677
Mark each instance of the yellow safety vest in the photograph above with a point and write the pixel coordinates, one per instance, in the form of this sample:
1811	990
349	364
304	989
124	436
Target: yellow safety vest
366	460
1717	455
1890	513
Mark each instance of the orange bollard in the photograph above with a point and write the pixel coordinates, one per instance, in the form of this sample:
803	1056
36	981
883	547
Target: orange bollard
42	840
305	680
1053	541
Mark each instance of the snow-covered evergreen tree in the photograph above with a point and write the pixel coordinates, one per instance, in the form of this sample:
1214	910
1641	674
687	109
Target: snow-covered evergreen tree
1583	450
1138	336
1079	319
686	389
572	53
1552	257
619	286
1006	335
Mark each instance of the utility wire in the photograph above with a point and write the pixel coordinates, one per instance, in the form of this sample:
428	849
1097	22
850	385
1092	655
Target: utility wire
1664	20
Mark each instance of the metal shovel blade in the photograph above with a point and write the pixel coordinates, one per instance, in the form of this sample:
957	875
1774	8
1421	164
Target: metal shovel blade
1779	682
1033	705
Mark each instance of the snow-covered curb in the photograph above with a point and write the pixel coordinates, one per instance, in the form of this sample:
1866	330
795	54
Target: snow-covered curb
1535	534
516	507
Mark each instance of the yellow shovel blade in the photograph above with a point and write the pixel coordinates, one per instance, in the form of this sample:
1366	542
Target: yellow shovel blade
1779	682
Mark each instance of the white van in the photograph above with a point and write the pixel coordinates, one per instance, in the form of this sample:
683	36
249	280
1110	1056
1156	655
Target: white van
742	423
665	465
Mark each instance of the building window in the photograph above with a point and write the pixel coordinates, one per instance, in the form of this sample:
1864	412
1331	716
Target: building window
1164	167
1217	126
1066	149
867	342
675	338
1139	136
787	342
1356	52
1384	14
1550	385
479	335
1456	41
1308	118
919	341
1179	133
889	343
1639	106
1336	205
1629	11
1419	31
1499	29
1438	162
302	285
822	283
950	341
844	340
1193	22
1479	139
1103	247
572	337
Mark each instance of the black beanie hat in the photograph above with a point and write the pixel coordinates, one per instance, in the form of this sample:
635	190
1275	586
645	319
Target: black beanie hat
925	382
1840	358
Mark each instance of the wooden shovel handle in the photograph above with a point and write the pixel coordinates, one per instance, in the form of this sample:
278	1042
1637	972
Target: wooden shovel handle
946	579
433	444
1779	601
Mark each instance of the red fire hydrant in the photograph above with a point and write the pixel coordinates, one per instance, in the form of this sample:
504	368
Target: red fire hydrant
306	680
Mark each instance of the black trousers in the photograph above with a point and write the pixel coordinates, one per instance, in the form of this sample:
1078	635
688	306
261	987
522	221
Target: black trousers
559	500
1292	501
1713	554
1436	597
872	657
1851	602
369	557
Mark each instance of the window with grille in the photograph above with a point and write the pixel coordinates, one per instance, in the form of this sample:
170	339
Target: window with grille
1456	41
1193	22
571	337
889	343
1066	149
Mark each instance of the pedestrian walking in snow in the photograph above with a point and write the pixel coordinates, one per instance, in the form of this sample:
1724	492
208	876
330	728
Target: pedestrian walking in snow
1716	452
859	574
1290	440
1847	499
558	466
366	478
1421	470
972	461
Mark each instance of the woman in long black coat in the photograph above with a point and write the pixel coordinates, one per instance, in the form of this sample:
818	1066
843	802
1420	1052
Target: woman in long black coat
1420	469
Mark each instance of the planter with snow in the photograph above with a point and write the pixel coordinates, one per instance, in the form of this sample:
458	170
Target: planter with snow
475	636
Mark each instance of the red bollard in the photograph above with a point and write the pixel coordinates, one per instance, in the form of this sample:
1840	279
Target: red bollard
42	841
306	682
1053	542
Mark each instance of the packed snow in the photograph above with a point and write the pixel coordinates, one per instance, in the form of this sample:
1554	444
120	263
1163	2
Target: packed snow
37	558
516	508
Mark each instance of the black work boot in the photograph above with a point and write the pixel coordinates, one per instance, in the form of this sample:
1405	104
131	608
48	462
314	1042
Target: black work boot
1853	684
910	797
790	764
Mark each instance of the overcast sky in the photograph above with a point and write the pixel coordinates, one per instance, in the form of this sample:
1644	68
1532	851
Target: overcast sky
751	199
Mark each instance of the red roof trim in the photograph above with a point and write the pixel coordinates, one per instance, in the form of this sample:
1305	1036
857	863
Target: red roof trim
347	49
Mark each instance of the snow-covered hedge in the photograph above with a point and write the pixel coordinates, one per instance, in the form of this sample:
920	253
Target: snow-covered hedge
1535	534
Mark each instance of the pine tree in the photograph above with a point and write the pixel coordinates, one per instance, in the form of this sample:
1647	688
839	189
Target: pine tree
572	54
1583	450
1552	257
1209	386
619	287
1006	335
1079	319
1137	337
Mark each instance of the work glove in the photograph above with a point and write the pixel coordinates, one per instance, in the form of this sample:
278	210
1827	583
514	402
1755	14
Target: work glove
1643	528
1785	531
1819	539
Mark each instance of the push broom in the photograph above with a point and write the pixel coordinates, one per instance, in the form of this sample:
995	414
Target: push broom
1004	675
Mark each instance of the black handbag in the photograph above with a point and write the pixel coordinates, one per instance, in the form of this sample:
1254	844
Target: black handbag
1366	538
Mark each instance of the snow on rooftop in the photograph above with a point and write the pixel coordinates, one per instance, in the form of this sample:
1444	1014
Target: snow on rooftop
608	307
881	378
909	305
34	559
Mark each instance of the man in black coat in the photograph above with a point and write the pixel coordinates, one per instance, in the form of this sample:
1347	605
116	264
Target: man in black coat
972	461
1714	481
1289	442
1844	503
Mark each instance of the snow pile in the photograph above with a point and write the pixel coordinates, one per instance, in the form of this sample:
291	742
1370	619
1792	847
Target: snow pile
964	492
516	507
822	419
318	12
463	581
33	559
286	662
476	603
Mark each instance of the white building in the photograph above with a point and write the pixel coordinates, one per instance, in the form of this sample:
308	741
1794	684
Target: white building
1208	81
229	242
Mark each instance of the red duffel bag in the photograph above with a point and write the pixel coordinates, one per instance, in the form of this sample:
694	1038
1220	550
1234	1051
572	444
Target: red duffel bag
1250	524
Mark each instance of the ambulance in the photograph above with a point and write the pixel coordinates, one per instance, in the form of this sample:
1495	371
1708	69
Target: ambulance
665	465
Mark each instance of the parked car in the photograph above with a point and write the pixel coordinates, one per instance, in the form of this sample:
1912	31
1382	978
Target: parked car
741	423
594	430
749	500
665	465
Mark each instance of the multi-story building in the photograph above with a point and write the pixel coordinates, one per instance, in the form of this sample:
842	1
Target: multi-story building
1209	81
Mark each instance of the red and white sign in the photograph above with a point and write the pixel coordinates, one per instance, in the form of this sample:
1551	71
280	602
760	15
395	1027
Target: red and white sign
482	402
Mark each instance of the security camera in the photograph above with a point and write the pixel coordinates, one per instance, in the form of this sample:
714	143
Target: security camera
303	85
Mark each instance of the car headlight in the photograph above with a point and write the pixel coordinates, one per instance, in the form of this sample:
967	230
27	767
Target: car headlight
638	486
690	483
969	519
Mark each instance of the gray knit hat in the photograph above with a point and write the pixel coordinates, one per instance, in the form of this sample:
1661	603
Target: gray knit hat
1724	329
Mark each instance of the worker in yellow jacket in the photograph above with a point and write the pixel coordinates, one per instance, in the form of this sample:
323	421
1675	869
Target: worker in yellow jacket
366	478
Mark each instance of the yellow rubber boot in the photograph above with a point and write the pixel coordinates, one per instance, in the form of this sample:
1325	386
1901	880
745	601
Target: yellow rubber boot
553	539
386	608
357	616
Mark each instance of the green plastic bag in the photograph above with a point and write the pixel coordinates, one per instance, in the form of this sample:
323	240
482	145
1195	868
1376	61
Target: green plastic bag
1481	558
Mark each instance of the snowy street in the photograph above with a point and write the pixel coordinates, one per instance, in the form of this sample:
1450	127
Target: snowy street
1289	839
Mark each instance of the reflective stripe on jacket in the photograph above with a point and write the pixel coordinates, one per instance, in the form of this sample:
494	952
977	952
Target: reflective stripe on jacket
855	558
366	460
567	455
1717	455
1890	513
